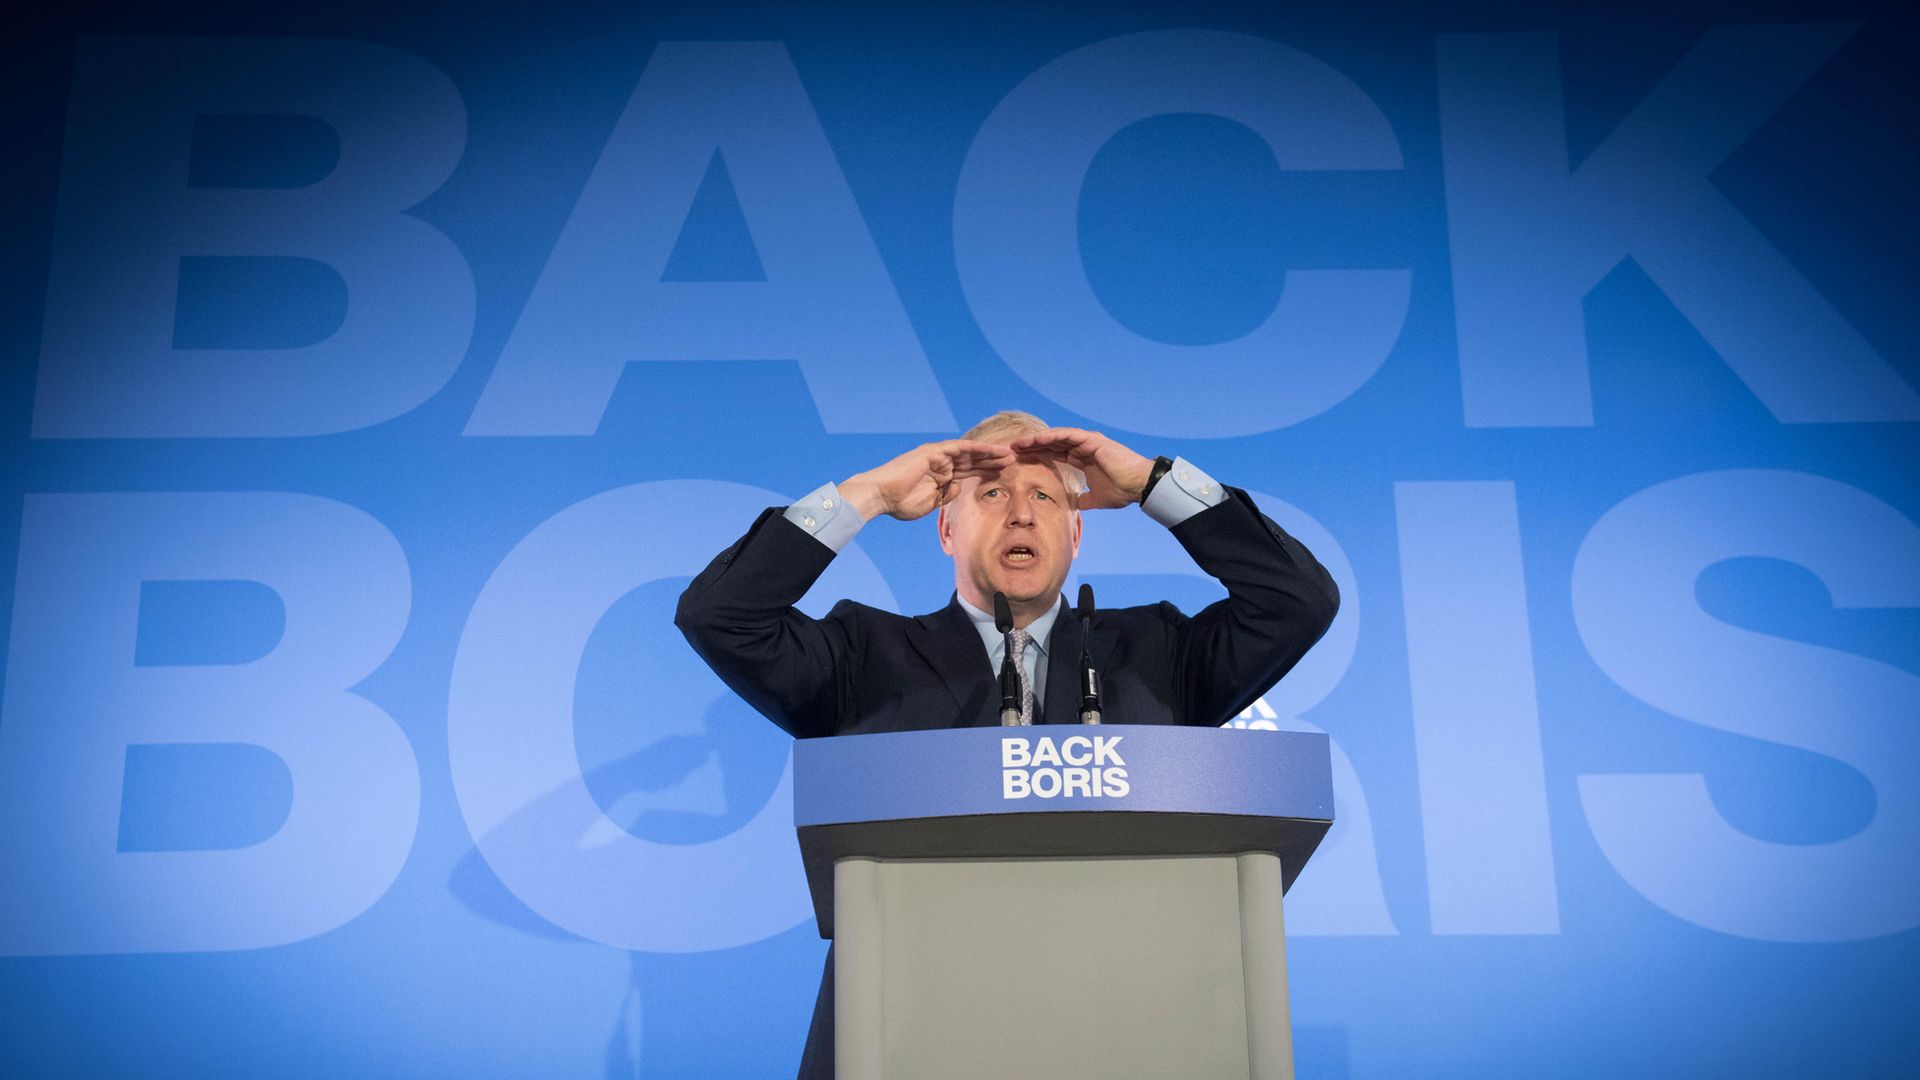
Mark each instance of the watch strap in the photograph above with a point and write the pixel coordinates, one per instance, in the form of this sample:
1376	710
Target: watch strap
1162	465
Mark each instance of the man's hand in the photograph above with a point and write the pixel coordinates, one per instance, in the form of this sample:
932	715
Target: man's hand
923	479
1115	475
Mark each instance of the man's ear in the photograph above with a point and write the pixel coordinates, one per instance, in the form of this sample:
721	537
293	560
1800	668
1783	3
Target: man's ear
945	529
1076	534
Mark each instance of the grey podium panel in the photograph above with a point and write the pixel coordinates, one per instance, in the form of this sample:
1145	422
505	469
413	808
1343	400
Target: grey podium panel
1061	969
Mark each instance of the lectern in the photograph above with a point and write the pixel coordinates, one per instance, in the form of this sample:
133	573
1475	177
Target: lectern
1061	901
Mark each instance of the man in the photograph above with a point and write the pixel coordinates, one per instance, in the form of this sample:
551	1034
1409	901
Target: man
1009	496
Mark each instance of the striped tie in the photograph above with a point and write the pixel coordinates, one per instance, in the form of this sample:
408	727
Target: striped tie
1020	640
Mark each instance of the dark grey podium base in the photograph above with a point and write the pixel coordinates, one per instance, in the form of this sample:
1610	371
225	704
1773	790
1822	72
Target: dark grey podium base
1061	969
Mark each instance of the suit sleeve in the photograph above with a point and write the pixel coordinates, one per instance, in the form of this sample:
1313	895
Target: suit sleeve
738	614
1280	600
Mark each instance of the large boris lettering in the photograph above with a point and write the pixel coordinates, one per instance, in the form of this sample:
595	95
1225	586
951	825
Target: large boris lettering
77	699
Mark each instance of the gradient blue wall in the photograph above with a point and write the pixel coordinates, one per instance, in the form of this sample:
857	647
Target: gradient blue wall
374	380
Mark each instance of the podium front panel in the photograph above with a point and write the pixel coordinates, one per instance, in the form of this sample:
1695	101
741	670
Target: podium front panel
1061	969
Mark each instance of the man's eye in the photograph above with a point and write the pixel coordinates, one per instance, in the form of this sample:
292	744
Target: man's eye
1043	495
991	491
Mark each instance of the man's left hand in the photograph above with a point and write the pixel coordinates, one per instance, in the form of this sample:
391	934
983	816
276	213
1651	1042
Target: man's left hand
1115	475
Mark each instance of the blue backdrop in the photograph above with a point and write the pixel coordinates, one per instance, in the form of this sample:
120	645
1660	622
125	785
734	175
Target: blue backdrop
375	378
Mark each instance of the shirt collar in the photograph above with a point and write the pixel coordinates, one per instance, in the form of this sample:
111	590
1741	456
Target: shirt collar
1041	628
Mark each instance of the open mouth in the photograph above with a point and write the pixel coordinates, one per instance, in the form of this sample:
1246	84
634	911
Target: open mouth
1019	554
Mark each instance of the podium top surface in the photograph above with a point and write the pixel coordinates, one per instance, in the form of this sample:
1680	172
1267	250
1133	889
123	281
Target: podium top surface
898	776
1058	791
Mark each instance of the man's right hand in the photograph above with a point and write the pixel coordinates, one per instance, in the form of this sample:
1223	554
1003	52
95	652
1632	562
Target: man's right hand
923	479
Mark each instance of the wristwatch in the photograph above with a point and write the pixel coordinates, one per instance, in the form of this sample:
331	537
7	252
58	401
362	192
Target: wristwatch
1162	465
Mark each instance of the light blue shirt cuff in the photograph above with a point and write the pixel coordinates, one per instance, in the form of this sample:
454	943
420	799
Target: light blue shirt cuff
827	518
1182	493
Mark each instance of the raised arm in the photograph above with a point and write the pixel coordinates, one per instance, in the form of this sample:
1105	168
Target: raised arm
1280	600
738	613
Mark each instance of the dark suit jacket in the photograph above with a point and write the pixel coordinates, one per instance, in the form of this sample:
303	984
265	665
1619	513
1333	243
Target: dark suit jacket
863	670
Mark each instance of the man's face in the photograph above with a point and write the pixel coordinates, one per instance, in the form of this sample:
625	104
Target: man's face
1016	533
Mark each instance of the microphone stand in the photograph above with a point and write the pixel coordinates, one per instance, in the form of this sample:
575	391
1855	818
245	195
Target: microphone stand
1009	675
1089	678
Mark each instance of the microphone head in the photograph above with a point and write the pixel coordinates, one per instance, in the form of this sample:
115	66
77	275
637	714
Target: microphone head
1086	602
1002	613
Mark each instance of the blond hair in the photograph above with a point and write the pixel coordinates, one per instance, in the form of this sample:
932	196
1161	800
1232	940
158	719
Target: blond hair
1009	423
1006	422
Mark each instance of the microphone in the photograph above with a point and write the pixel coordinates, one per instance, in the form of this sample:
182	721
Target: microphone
1089	678
1009	675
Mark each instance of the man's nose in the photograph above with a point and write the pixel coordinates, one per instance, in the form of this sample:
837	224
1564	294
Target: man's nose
1020	511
